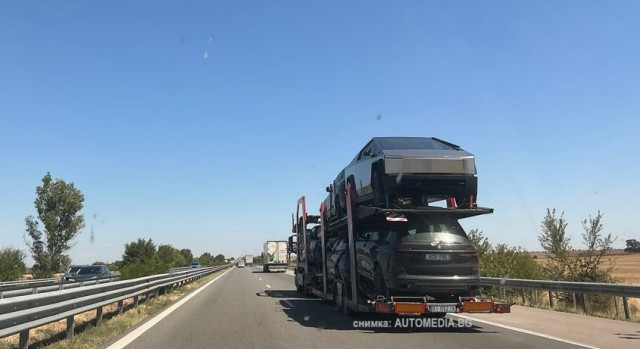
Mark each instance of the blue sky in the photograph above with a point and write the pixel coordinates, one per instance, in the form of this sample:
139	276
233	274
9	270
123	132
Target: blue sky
200	123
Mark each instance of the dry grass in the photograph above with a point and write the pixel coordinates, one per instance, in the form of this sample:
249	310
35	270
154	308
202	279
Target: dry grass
612	308
626	266
88	336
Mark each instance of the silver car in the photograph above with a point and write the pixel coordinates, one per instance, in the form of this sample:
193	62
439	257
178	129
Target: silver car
407	171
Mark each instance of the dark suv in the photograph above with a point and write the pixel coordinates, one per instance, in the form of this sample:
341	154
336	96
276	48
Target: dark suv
338	261
416	255
91	272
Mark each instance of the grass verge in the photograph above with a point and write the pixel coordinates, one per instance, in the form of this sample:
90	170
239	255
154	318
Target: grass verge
89	336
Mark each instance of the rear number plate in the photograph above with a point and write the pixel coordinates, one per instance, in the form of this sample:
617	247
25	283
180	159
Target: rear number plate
437	257
442	308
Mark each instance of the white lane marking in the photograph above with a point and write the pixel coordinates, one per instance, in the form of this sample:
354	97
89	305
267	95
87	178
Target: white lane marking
268	286
260	279
534	333
288	303
126	340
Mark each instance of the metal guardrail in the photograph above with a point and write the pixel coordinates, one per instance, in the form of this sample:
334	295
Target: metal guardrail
616	290
27	282
22	313
16	290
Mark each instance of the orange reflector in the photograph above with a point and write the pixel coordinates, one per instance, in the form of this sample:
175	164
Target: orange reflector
409	308
479	306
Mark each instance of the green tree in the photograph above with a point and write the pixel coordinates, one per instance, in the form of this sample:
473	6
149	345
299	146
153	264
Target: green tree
11	264
58	205
588	266
206	259
138	251
140	268
479	242
219	259
555	241
171	256
511	262
187	254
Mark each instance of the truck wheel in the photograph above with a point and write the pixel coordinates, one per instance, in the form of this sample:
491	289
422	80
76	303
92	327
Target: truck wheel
354	197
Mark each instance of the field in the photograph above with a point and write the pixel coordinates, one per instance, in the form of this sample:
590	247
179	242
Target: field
626	266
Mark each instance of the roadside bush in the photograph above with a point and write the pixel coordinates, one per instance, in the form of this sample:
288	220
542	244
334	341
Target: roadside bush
147	267
11	264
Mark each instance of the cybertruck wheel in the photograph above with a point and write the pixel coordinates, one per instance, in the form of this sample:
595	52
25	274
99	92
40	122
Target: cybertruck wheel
377	188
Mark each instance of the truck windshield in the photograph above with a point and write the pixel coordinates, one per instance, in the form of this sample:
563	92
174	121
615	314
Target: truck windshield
396	143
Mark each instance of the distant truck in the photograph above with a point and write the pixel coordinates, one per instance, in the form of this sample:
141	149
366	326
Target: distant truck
248	260
274	256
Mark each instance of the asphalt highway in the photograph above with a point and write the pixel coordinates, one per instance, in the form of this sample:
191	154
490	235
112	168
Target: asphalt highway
245	308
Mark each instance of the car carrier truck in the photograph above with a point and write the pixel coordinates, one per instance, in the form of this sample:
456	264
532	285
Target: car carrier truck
274	256
411	261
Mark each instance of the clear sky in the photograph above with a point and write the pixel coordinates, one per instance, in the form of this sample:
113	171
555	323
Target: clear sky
200	123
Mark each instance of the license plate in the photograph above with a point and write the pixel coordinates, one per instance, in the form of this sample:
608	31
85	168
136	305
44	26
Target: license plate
442	308
437	257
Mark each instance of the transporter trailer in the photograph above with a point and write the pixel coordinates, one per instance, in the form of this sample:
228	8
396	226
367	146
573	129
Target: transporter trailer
311	262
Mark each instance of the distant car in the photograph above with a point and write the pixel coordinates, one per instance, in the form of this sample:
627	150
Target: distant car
241	264
90	272
195	265
72	271
397	170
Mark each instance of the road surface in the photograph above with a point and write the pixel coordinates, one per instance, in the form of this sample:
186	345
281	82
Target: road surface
246	308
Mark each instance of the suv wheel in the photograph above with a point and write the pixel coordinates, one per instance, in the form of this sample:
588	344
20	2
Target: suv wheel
380	288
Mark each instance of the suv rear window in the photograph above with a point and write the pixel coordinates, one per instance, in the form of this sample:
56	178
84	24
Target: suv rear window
420	230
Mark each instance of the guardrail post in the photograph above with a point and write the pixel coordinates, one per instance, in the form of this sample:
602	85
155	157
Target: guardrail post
71	325
550	299
99	316
35	290
24	340
524	300
136	300
120	307
615	304
584	304
625	304
574	300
